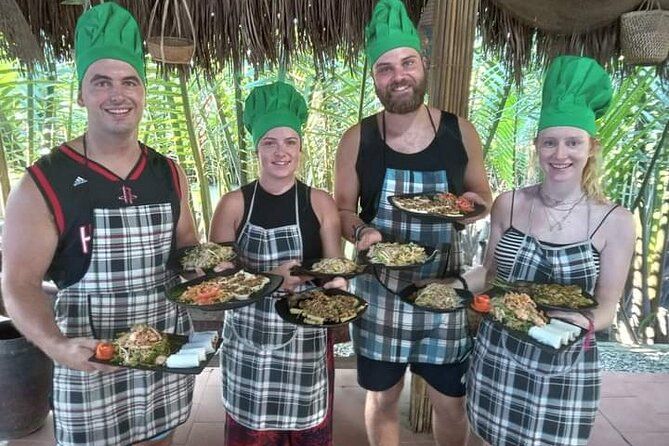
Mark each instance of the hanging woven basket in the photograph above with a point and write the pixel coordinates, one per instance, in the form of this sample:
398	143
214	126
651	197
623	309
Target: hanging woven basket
644	35
173	49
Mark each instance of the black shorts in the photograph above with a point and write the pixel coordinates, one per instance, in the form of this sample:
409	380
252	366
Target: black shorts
448	379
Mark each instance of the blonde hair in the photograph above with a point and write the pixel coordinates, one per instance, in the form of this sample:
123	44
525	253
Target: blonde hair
590	179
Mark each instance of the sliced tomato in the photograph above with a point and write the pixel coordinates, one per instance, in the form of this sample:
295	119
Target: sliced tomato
206	294
104	351
464	204
481	303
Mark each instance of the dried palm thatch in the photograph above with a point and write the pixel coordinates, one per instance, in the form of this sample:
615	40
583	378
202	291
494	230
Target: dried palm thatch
512	28
258	31
18	38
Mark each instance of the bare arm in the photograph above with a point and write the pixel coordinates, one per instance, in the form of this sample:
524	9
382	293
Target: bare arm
619	237
227	217
347	190
476	180
328	216
186	232
26	259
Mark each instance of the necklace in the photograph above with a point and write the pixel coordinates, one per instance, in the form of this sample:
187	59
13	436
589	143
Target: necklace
555	203
556	224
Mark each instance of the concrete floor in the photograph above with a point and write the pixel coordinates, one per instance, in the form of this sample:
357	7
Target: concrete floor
634	411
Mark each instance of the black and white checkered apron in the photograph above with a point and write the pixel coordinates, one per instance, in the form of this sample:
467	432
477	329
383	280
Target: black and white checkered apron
391	330
520	394
274	374
124	285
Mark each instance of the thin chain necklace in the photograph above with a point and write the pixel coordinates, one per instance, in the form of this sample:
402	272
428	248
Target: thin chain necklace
555	203
556	224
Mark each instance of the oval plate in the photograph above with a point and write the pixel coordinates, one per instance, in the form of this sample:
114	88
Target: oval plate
407	296
283	309
521	287
364	259
433	217
175	293
176	341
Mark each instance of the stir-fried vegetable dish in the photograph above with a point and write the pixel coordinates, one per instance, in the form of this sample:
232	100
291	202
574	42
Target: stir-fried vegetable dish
141	346
446	204
224	288
206	255
517	311
438	295
397	254
316	307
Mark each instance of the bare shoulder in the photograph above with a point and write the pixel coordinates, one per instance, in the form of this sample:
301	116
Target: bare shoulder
619	223
232	201
27	200
323	203
501	208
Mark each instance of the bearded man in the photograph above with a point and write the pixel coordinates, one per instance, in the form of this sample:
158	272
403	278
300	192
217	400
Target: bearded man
408	147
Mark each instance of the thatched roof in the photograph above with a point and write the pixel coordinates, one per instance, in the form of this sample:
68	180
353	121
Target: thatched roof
228	30
512	28
269	31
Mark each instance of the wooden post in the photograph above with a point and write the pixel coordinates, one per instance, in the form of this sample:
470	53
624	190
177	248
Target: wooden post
452	33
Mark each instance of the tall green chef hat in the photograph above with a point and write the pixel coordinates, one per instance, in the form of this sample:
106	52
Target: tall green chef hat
274	105
576	91
108	31
389	28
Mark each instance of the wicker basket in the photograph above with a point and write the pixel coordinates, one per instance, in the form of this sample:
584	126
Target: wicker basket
176	50
169	48
644	36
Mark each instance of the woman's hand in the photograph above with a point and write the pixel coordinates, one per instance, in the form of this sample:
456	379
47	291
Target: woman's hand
338	282
290	282
368	236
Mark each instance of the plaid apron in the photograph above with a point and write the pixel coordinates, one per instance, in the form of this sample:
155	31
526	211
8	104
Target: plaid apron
391	330
520	394
274	374
125	284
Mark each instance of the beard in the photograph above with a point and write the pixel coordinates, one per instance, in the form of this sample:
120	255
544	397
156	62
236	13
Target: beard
403	105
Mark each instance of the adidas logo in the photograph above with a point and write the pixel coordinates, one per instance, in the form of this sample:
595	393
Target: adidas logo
79	181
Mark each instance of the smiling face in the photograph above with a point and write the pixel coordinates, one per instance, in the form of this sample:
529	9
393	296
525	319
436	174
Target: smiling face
279	153
400	80
113	95
563	153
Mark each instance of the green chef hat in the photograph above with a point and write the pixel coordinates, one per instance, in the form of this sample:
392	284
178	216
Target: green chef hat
389	28
576	91
108	31
274	105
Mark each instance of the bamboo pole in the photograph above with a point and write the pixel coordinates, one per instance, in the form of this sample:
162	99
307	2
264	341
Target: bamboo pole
450	73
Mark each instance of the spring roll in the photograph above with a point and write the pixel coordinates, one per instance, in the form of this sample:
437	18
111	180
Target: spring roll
546	337
201	352
208	347
183	360
564	335
204	335
566	326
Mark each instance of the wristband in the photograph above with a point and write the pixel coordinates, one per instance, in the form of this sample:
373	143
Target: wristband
357	230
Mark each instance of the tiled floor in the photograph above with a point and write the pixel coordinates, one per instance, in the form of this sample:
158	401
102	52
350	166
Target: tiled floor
634	411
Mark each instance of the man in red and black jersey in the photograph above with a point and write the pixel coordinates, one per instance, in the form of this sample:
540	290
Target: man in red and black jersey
100	216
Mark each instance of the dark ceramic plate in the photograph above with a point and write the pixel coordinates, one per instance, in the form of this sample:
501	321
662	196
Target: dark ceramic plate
176	341
305	270
432	217
175	260
522	287
365	260
408	295
527	338
282	307
175	293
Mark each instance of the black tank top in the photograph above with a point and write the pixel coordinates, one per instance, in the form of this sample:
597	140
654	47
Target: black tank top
445	152
272	211
73	187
